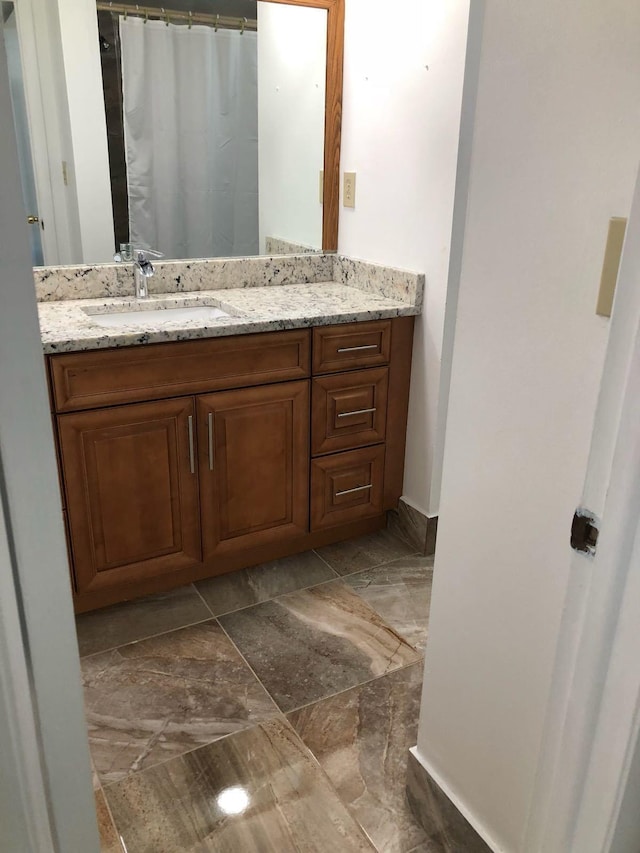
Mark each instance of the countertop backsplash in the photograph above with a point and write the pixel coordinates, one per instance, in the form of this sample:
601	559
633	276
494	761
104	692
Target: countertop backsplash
54	284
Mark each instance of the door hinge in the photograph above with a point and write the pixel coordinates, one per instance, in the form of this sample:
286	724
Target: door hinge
585	529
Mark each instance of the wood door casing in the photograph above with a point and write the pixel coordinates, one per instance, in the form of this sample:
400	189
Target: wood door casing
254	487
132	500
332	115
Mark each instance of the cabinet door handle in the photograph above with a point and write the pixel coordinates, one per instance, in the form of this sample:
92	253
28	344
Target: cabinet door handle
192	461
356	349
351	491
210	429
356	412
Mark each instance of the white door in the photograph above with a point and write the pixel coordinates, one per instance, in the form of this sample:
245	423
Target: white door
588	798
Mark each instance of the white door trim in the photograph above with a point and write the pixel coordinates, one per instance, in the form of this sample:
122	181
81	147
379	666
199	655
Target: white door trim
45	86
24	815
33	562
591	728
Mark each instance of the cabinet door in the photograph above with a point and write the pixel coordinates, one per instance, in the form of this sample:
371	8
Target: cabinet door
254	466
132	492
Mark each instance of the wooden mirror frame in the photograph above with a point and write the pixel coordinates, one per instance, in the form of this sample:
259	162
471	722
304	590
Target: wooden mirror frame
332	115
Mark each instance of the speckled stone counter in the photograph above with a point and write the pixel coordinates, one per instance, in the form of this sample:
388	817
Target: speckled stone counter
266	300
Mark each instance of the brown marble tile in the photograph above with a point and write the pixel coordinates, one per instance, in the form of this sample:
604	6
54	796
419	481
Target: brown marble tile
258	791
446	829
365	552
401	593
362	738
134	620
109	839
231	592
161	697
309	644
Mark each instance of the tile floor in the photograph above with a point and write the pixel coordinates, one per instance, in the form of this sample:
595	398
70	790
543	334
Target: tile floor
267	710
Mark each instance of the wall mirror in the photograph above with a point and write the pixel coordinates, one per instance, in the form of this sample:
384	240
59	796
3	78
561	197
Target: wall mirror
199	128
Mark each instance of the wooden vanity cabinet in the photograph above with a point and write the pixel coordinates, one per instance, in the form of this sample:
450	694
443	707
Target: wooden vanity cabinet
185	460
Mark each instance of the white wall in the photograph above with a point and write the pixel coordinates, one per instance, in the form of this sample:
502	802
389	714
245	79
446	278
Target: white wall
90	167
402	96
556	144
292	49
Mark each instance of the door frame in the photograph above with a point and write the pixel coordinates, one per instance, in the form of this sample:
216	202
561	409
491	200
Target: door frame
47	110
41	709
591	742
24	817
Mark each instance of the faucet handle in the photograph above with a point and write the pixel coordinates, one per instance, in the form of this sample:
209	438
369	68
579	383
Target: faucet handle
145	254
130	252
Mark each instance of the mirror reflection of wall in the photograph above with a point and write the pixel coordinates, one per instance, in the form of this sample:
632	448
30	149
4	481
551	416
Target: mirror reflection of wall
291	101
207	137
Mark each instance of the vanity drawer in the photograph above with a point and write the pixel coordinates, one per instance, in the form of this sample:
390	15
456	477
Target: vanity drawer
351	345
349	410
88	380
346	487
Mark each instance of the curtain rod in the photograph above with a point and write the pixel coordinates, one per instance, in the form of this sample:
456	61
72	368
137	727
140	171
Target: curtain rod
175	15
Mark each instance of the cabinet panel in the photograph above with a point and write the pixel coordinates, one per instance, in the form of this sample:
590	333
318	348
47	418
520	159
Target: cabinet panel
254	466
132	497
351	345
348	410
397	409
346	487
87	380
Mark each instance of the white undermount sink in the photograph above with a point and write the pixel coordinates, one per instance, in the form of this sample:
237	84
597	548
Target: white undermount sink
143	316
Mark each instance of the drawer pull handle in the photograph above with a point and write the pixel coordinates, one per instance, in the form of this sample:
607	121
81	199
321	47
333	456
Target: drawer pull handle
351	491
356	412
210	429
192	463
356	349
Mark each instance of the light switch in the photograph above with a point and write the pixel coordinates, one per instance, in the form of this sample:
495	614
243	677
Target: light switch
349	192
321	186
611	265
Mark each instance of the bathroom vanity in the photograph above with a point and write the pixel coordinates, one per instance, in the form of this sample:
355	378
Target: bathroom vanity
240	408
190	458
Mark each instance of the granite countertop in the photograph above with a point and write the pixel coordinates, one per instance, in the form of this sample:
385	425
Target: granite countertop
67	327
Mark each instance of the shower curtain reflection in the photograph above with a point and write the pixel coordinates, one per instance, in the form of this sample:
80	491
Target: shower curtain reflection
191	138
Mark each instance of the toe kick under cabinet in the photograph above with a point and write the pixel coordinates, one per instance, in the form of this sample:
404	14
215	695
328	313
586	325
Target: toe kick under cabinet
184	460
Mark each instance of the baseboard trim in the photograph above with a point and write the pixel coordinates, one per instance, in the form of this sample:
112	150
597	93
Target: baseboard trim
452	822
416	528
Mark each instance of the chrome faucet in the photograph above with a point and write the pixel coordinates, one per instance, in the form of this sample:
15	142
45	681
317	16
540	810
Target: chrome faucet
142	271
142	266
